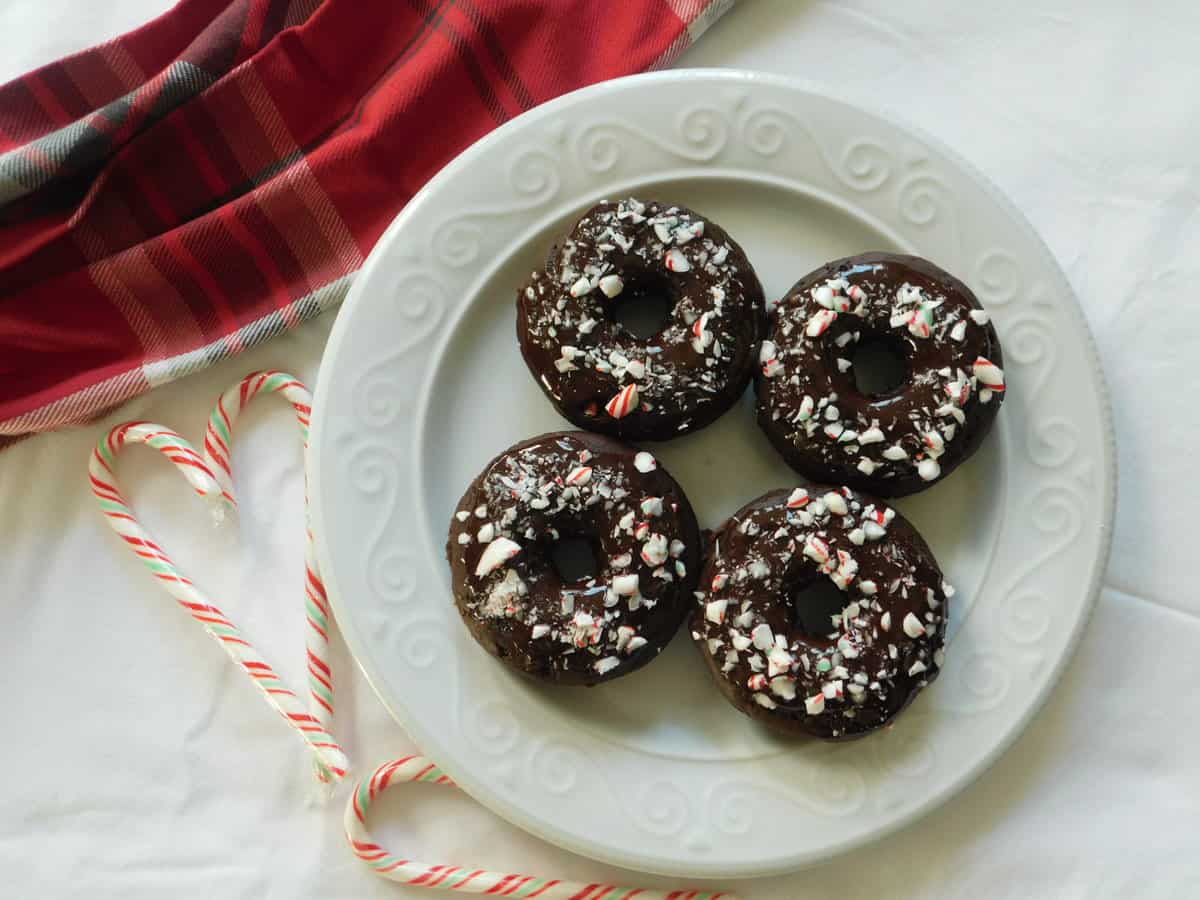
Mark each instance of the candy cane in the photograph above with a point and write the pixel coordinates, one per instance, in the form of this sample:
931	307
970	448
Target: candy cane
211	477
463	878
216	623
217	455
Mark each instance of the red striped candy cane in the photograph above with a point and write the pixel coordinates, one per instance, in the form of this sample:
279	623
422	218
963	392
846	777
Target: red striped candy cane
211	477
217	441
216	623
464	879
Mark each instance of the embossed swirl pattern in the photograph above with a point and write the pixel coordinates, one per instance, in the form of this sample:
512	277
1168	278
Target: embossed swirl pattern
759	136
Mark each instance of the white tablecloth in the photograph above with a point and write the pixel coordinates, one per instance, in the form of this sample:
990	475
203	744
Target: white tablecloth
137	763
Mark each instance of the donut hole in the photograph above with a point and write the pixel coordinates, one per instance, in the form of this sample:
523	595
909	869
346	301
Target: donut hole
879	365
643	308
816	604
574	559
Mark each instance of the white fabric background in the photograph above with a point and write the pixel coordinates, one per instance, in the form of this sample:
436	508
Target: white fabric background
137	762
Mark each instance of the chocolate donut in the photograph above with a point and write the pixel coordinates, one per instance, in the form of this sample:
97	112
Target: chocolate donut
576	485
856	672
601	376
892	443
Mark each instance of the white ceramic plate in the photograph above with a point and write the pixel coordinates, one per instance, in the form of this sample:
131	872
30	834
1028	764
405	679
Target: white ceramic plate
422	383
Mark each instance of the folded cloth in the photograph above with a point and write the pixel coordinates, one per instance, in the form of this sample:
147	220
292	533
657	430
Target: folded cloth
217	176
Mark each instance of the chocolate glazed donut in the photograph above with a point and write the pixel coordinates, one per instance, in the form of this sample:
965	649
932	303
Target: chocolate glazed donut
892	443
643	536
601	376
856	672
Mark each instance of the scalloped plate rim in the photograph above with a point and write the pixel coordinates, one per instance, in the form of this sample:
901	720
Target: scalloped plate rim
749	79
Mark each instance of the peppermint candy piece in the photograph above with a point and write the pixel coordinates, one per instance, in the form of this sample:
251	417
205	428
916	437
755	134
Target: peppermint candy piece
836	503
714	610
580	475
623	403
762	637
644	462
989	373
675	261
772	367
495	554
611	285
871	435
703	338
819	322
806	409
816	549
654	551
912	626
626	585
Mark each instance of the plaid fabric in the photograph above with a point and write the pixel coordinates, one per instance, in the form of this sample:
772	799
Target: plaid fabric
218	176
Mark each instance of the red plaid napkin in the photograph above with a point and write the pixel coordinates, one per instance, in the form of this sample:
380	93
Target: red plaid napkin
217	176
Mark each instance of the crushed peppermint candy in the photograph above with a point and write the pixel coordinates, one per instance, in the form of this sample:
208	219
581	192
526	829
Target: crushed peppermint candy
779	661
714	611
816	549
579	475
626	585
819	322
654	551
912	626
762	636
772	367
989	374
495	554
783	687
675	261
797	499
623	403
644	462
871	435
836	503
611	285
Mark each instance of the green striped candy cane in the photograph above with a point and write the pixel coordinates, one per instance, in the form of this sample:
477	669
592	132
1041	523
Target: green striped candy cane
217	441
120	516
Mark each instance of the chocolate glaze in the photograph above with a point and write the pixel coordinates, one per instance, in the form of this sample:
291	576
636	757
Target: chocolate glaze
574	484
871	662
890	444
689	373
